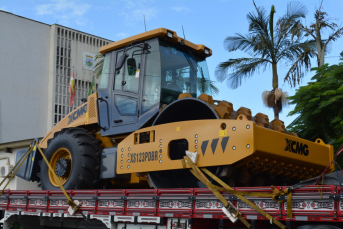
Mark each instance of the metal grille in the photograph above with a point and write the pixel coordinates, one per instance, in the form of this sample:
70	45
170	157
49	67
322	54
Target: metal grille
64	69
92	112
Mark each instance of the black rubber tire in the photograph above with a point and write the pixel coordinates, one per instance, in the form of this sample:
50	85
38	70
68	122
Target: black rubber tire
85	151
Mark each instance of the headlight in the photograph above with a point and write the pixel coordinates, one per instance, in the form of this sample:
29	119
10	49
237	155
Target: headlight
169	34
207	51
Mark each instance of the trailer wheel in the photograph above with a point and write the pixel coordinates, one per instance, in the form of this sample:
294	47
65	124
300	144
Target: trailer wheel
74	155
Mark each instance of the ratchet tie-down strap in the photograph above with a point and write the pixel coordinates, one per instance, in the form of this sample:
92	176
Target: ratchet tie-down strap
199	173
72	204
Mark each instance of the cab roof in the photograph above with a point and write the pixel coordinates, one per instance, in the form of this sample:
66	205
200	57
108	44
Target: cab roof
161	32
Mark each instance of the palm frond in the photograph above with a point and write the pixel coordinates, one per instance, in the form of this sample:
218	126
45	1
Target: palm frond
296	10
322	21
290	21
245	69
301	65
258	23
99	64
221	72
214	88
238	42
337	34
290	51
308	31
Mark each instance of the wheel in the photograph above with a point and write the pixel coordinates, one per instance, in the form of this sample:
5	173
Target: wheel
192	109
74	155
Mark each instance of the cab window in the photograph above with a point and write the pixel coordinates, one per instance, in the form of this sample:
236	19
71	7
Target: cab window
152	78
105	72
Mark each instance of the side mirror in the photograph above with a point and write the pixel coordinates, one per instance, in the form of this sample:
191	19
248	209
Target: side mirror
131	66
121	61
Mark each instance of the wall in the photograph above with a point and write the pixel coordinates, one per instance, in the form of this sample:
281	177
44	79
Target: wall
24	65
16	183
71	45
30	85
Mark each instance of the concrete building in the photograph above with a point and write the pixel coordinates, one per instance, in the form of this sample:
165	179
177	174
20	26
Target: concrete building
36	63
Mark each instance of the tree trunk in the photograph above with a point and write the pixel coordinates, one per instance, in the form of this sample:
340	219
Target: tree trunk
275	86
275	76
320	47
321	57
276	113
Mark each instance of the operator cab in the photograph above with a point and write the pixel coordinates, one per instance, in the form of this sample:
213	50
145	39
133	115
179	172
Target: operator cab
142	73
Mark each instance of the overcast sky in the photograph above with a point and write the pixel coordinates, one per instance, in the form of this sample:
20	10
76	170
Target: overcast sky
204	22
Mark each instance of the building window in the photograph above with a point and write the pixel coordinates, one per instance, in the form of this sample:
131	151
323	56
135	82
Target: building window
64	71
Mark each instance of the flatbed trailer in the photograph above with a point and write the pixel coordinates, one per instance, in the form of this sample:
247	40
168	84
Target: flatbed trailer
167	208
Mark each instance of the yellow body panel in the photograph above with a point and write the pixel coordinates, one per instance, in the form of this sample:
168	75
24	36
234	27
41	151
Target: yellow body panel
273	144
242	143
83	115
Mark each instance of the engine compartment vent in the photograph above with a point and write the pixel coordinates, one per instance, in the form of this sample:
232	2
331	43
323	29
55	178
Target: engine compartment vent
145	137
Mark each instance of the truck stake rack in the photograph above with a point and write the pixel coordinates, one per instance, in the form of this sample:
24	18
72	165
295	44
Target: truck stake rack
310	203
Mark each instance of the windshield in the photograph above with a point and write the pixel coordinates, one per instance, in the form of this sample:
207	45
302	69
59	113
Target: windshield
182	72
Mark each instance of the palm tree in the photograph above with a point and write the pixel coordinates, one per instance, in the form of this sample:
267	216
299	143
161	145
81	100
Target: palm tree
268	44
314	30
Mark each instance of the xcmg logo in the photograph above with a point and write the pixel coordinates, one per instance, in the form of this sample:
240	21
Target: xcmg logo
77	113
296	147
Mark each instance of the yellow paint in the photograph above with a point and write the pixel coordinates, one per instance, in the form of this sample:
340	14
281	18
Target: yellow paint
222	133
33	158
80	121
247	142
134	179
87	117
105	141
58	154
160	32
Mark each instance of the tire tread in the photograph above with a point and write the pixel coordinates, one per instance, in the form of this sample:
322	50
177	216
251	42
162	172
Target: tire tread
89	150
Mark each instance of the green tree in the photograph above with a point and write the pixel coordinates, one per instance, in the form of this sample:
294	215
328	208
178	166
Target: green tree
319	106
268	44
